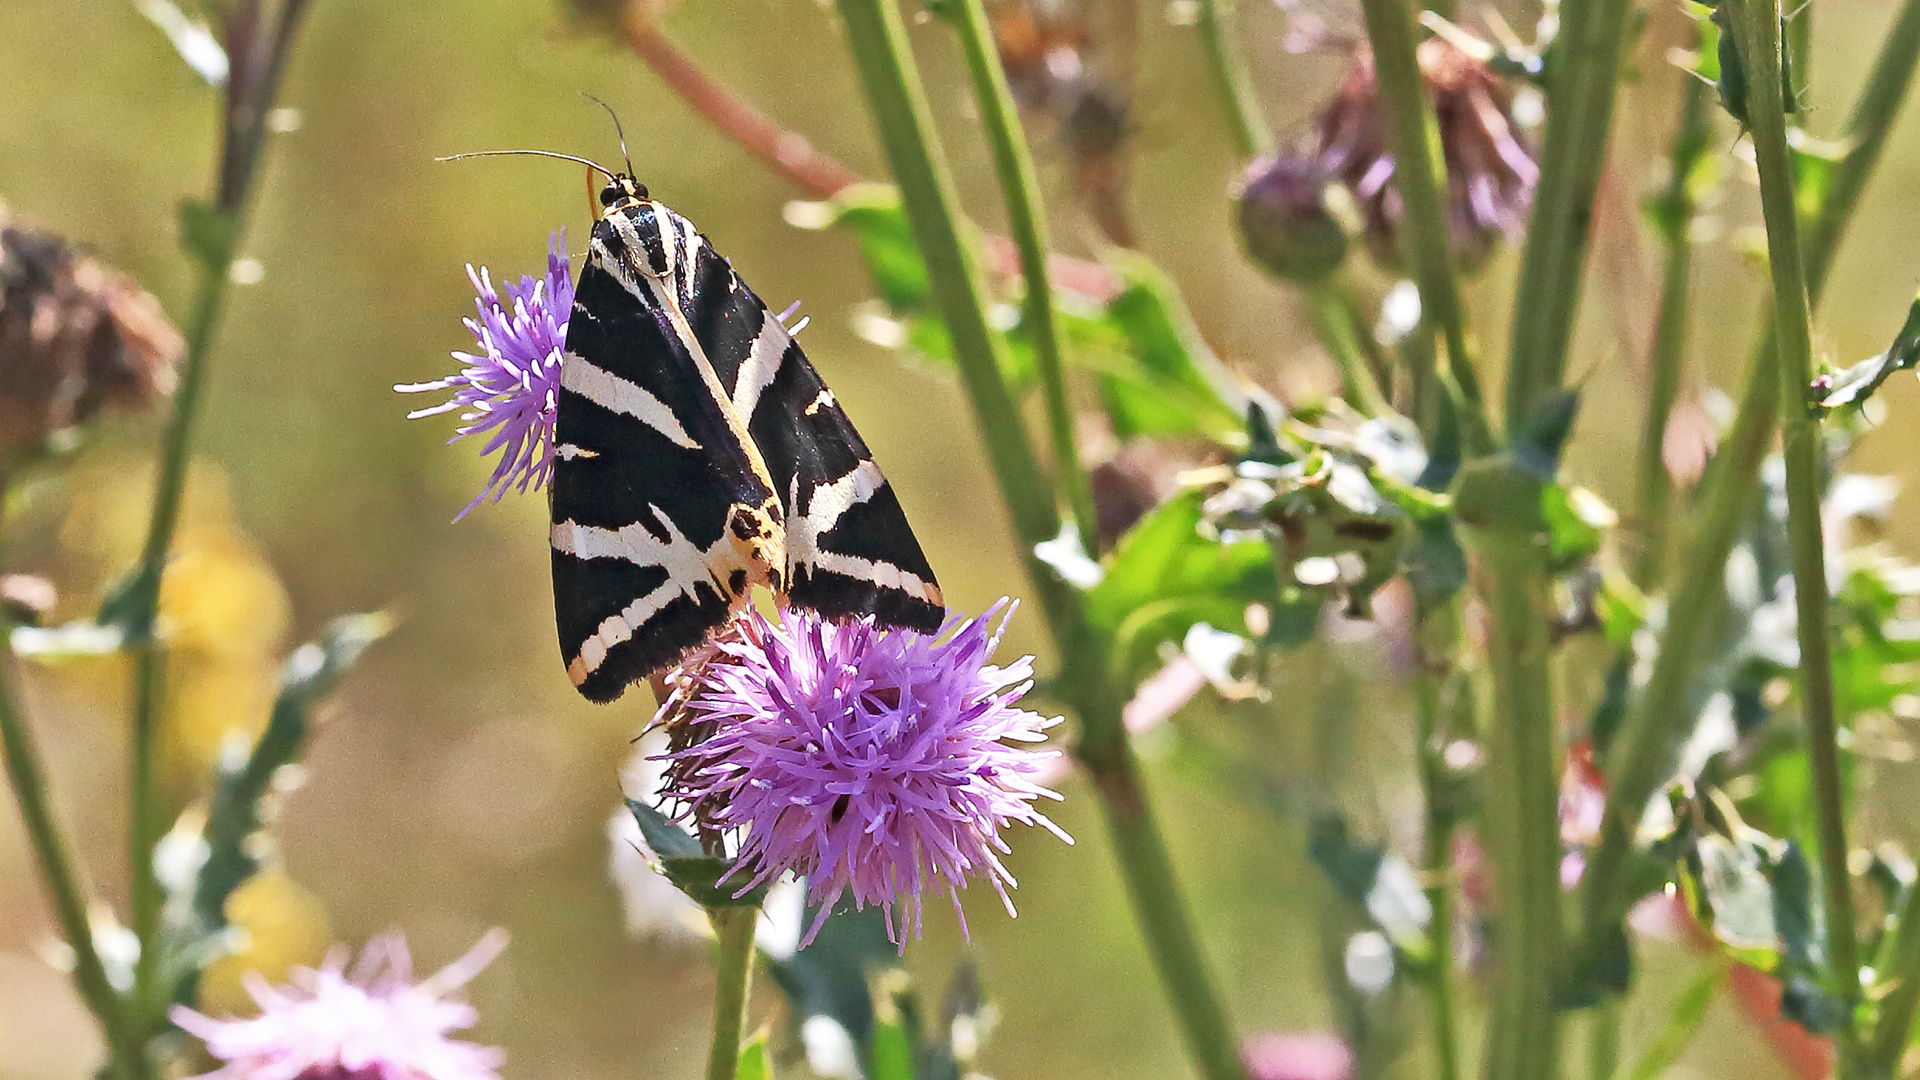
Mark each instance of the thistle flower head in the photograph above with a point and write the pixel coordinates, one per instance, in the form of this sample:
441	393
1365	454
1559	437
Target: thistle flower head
1286	221
374	1023
75	336
880	763
1491	174
509	390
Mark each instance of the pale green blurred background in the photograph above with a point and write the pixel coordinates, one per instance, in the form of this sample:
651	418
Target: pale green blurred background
459	783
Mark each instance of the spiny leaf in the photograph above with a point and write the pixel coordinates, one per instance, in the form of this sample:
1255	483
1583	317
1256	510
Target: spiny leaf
1854	385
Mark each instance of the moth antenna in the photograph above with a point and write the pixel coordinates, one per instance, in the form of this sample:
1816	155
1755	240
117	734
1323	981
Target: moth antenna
617	130
603	170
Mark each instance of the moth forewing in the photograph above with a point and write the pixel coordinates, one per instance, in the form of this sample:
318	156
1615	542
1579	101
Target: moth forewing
700	454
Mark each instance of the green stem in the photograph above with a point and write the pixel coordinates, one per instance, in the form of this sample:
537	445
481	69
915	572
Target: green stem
1162	914
1245	119
1757	26
147	817
1603	1040
28	778
1020	184
1585	62
212	234
733	973
877	39
1667	358
1333	324
1522	811
1658	717
1438	633
1894	1027
1419	171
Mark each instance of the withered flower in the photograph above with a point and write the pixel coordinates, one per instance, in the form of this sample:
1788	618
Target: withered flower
1491	173
75	336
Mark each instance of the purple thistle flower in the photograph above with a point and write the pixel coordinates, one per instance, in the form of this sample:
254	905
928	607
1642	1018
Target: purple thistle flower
373	1024
866	761
512	386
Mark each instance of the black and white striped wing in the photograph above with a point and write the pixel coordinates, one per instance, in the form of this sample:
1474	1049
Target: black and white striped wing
663	515
850	550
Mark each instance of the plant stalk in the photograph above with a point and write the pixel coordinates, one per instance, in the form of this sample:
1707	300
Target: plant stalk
1026	219
1438	634
1585	63
1757	26
1419	173
877	39
147	817
1333	324
259	51
1657	719
733	972
1246	121
1522	812
27	776
1667	357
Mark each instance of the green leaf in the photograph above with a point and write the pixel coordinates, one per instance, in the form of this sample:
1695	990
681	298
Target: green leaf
1173	384
890	1052
1853	386
755	1062
873	213
1683	1022
705	878
1378	883
1169	573
1576	521
662	834
235	813
830	977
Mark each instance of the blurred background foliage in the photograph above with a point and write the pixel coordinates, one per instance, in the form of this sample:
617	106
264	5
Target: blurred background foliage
457	781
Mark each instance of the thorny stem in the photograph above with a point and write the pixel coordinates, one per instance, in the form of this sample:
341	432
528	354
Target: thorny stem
733	972
258	52
1246	121
1657	718
1419	171
28	779
1580	91
877	39
1667	358
1757	27
1026	216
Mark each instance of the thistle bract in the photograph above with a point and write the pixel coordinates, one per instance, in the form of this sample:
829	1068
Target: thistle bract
873	762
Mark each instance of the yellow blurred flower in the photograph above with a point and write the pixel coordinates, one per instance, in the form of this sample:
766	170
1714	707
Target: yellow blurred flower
282	926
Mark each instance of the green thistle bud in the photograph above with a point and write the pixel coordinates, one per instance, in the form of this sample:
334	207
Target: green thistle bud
1288	221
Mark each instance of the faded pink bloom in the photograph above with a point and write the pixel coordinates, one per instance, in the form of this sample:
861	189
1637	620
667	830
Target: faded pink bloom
374	1023
1318	1056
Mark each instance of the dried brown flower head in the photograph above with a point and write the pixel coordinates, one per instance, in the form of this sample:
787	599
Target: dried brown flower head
75	336
1491	173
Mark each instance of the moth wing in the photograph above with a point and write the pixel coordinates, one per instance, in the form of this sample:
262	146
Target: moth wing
850	550
661	523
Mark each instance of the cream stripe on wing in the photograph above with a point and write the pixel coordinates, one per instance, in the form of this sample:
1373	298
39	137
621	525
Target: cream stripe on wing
610	391
762	364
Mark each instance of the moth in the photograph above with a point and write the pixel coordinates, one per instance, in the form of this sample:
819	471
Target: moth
698	455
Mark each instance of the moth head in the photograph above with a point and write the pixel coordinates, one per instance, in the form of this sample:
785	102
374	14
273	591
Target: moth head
620	192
